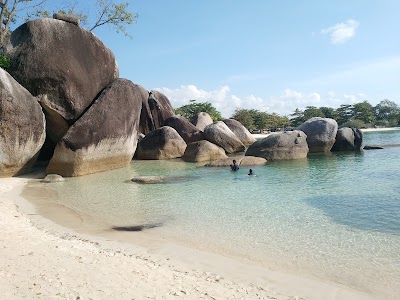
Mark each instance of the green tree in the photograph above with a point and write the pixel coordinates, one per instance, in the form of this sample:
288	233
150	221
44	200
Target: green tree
364	111
387	112
345	113
297	118
191	110
311	112
245	117
329	112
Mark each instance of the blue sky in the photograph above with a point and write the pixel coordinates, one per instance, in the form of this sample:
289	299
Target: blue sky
273	56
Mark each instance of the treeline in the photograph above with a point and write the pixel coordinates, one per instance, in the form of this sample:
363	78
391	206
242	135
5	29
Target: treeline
360	115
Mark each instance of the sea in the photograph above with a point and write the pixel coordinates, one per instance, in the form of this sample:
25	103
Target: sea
332	216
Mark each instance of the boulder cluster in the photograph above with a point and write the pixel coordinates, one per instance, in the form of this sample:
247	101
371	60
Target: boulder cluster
62	101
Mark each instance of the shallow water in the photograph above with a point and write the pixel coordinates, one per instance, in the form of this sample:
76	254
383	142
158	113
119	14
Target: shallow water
335	217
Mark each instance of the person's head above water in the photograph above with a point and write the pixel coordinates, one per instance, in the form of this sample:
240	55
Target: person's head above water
250	172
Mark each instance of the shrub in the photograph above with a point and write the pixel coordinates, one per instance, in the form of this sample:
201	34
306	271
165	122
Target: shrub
4	62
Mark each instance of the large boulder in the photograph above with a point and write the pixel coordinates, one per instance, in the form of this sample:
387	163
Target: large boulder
160	108
186	130
64	64
220	134
280	146
240	131
22	127
203	151
202	120
162	143
321	133
348	139
105	137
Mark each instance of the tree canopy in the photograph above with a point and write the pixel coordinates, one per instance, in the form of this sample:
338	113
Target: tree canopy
190	111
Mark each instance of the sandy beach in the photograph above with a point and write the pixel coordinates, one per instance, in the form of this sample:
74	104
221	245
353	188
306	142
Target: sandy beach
43	260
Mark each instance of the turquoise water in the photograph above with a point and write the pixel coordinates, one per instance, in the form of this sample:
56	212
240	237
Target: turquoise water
334	217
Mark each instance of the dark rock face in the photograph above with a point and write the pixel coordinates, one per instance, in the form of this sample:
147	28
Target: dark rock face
155	110
348	139
240	131
218	133
202	120
160	108
65	64
162	143
105	137
321	133
203	151
22	127
280	146
186	130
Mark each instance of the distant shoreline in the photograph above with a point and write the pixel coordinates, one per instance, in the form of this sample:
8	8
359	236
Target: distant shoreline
264	135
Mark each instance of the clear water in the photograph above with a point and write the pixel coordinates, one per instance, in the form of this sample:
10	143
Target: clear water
336	216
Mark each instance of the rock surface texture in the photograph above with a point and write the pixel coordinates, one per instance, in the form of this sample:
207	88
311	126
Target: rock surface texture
202	120
280	146
321	133
105	137
186	130
64	64
203	151
160	108
162	143
348	139
219	133
240	131
22	127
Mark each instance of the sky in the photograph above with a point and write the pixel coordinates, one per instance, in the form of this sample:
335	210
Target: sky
273	56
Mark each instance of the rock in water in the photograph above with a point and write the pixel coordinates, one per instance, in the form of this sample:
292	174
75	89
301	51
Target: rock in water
22	127
218	133
162	143
321	133
105	137
348	139
53	178
203	151
280	146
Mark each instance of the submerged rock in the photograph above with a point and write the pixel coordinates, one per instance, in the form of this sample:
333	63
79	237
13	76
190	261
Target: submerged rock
160	179
53	178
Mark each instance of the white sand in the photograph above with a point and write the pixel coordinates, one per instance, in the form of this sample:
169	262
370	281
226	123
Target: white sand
42	260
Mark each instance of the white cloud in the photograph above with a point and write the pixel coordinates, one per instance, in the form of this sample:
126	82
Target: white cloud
226	102
341	32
